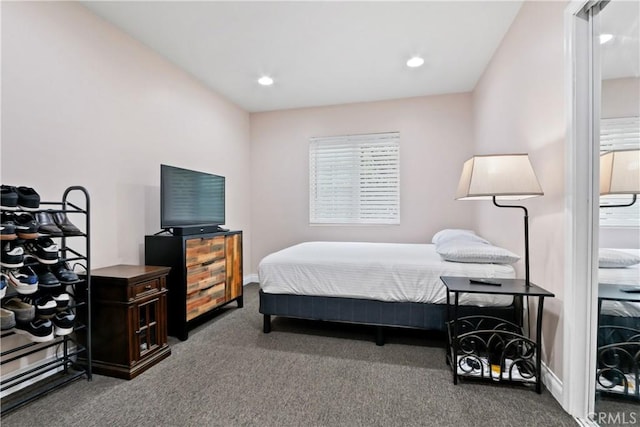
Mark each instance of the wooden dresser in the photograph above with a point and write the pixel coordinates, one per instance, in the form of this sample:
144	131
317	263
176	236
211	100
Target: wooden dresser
129	320
206	273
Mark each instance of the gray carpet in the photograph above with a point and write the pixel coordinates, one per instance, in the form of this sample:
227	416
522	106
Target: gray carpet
228	373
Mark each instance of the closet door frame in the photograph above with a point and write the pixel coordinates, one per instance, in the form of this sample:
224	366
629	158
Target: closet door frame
582	74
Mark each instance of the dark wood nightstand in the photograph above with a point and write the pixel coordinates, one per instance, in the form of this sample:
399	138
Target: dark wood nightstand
487	347
129	319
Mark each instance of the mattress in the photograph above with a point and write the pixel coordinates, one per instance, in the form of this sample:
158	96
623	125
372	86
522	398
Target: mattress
621	276
390	272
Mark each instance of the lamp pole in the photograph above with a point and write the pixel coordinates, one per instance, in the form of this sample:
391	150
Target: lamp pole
526	237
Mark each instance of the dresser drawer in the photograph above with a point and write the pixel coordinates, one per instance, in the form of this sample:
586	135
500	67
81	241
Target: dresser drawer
203	276
201	301
204	250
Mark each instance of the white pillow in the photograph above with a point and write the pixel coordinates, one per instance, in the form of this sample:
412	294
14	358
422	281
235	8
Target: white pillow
468	251
449	234
610	258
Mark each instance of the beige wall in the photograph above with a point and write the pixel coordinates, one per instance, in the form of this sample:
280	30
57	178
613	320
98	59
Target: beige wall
85	104
435	139
519	108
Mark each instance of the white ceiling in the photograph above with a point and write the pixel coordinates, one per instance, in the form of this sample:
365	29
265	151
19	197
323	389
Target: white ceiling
320	53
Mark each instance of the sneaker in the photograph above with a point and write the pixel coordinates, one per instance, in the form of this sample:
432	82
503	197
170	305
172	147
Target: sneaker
47	225
24	280
68	229
23	312
45	305
37	330
12	254
7	227
7	319
26	226
4	282
63	322
8	198
64	274
28	199
44	249
46	279
62	300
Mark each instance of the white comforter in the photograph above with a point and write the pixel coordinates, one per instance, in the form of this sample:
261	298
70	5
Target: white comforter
377	271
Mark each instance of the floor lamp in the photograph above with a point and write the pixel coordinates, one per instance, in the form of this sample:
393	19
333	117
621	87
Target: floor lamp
501	177
620	174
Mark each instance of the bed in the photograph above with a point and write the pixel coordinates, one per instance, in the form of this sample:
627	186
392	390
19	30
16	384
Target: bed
380	284
618	368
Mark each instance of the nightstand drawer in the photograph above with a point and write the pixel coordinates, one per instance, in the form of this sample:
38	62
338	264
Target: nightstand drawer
145	288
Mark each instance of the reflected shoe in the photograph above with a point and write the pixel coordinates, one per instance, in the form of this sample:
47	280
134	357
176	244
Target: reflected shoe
23	312
64	274
47	225
8	198
26	226
7	319
24	280
63	322
8	227
28	199
4	282
44	249
12	254
37	330
68	229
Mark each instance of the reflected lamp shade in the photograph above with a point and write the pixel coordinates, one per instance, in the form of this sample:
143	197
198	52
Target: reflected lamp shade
503	176
620	172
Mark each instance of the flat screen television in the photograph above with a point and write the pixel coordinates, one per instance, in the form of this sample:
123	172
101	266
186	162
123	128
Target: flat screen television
190	199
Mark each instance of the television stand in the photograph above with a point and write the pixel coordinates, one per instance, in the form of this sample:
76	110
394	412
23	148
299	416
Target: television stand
206	274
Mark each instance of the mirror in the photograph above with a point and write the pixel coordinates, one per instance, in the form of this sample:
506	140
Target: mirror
618	348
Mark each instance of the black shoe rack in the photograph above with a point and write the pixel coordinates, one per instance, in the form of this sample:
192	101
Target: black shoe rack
63	367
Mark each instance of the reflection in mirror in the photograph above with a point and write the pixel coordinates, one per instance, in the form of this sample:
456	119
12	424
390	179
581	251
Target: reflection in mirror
618	355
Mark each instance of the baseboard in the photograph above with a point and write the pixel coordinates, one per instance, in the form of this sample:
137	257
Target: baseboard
251	278
586	422
552	382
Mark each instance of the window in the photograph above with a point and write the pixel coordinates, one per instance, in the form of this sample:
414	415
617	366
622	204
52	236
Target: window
619	134
355	179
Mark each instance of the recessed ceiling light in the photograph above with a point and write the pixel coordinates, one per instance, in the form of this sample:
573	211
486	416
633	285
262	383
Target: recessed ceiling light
605	38
415	61
265	81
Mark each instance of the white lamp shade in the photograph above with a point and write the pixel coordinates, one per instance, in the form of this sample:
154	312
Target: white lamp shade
620	172
506	176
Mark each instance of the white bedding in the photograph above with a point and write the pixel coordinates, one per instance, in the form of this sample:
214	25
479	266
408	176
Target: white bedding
392	272
621	276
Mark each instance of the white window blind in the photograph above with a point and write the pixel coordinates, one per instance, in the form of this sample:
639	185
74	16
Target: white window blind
619	134
355	179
